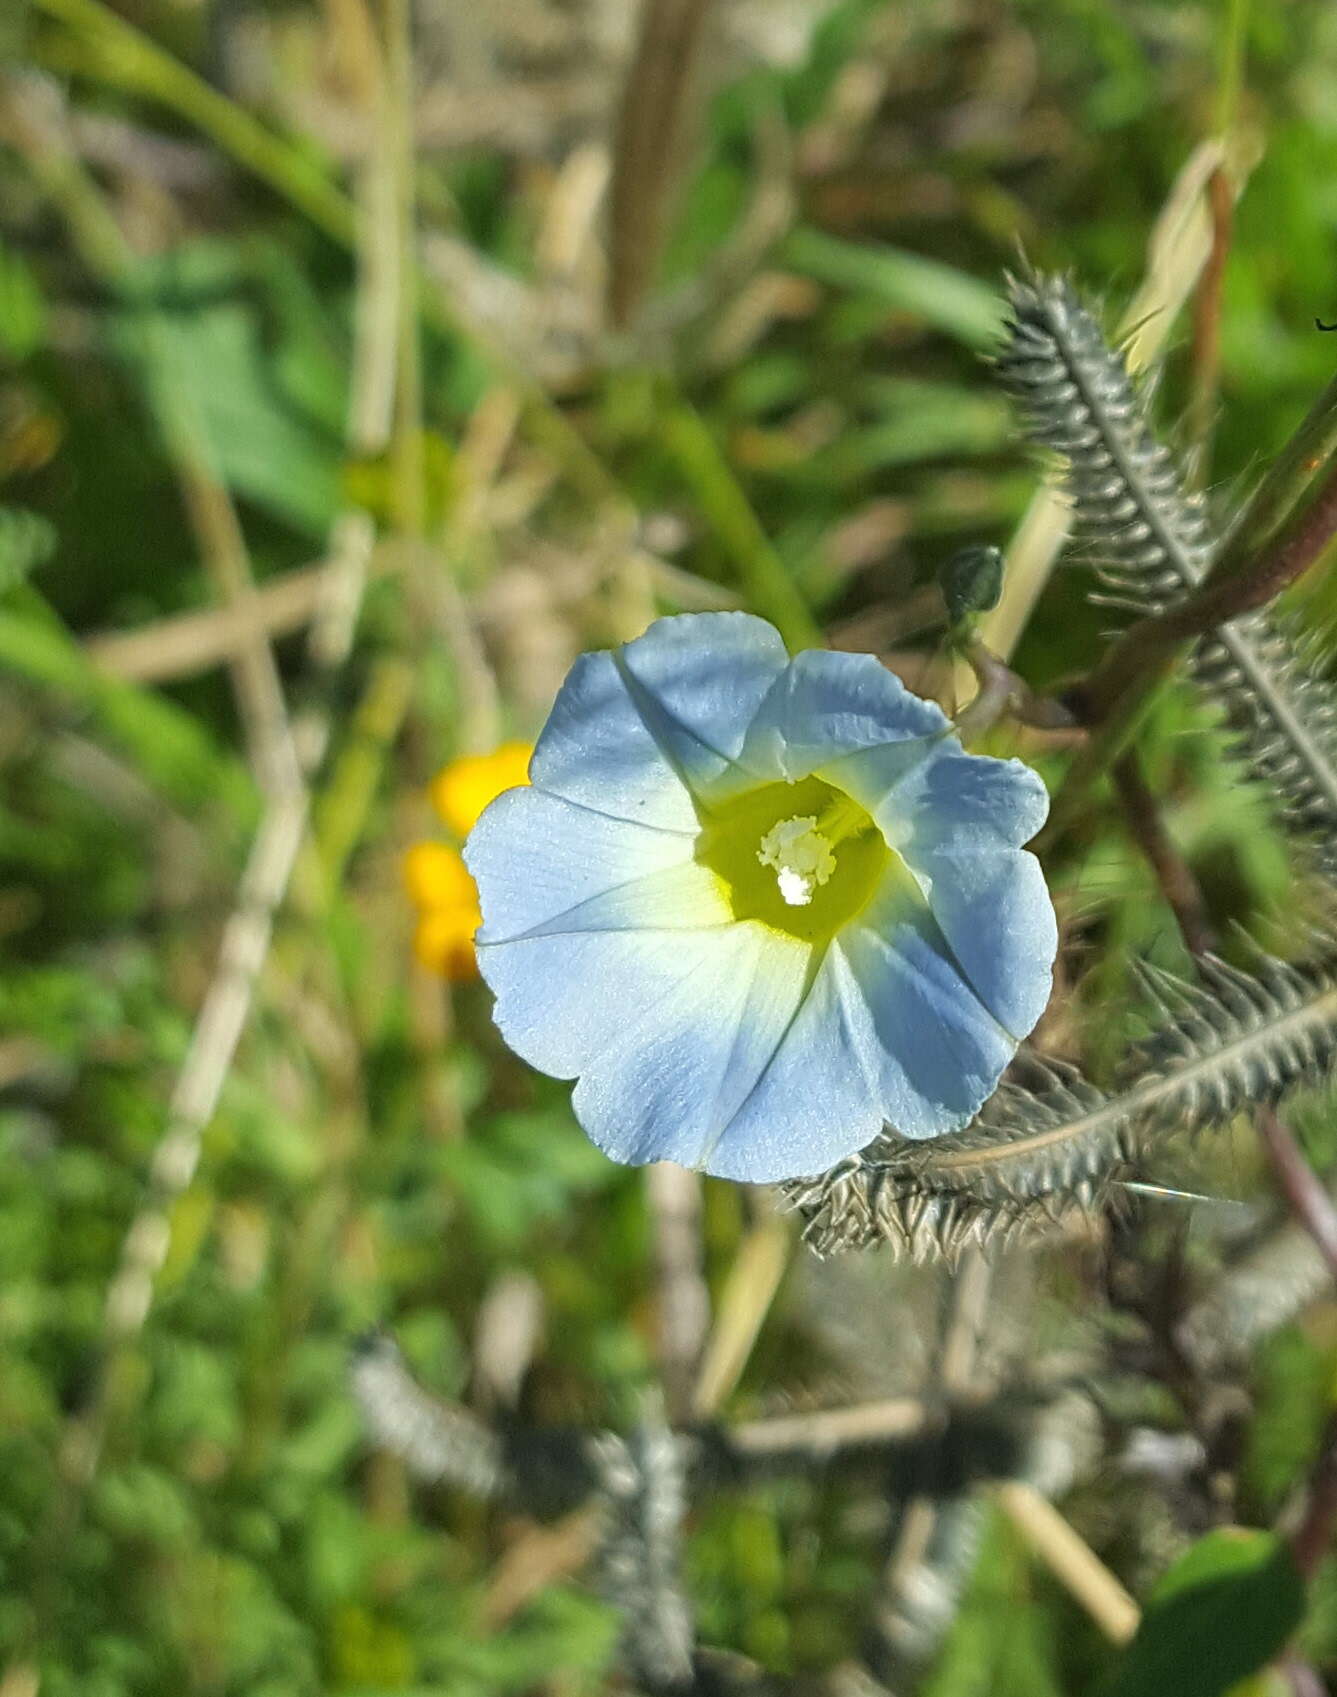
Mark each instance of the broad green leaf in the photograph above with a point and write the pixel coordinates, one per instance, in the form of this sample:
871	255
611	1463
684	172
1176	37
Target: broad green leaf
231	347
1221	1613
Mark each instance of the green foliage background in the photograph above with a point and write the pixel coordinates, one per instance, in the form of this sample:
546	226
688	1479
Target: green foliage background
374	1162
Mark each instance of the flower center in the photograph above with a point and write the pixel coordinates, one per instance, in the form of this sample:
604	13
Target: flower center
801	858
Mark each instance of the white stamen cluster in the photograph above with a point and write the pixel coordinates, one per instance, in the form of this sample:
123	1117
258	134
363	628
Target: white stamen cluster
801	856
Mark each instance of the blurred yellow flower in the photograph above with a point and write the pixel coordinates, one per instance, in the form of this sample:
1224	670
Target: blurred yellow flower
443	940
435	876
464	788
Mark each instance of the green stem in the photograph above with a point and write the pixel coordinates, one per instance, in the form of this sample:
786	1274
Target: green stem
1234	37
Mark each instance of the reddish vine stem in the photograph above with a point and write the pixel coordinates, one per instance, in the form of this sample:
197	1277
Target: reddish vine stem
1149	646
1113	698
1312	1206
1308	1199
1311	1540
1173	873
1003	691
1303	1680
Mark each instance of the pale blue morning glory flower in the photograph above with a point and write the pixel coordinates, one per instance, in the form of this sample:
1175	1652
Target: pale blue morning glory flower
760	907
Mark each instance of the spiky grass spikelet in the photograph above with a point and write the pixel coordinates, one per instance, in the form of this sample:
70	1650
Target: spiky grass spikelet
1151	543
1150	539
1029	1156
1035	1156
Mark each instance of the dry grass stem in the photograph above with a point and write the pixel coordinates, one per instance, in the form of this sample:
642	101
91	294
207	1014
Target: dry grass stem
750	1289
1070	1559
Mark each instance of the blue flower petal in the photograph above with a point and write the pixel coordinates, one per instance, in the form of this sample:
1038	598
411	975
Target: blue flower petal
666	1031
563	1000
931	793
595	929
938	1049
638	731
888	1034
544	864
826	705
957	820
671	1085
814	1102
996	915
971	801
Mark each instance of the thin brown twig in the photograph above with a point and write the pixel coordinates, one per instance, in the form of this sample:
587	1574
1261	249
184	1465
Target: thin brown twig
1180	888
222	545
826	1432
1304	1191
478	462
646	150
1070	1559
1311	1540
749	1290
204	1070
183	645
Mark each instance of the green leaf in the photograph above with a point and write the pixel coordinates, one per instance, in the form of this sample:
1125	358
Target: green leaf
920	421
22	305
1221	1613
27	540
234	349
174	752
1293	1378
950	300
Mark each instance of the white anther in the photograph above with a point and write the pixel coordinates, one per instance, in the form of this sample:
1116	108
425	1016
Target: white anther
801	856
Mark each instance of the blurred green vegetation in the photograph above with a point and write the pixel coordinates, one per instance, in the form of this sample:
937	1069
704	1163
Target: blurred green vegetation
801	424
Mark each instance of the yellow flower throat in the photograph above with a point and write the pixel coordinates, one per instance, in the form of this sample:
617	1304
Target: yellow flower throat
801	858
